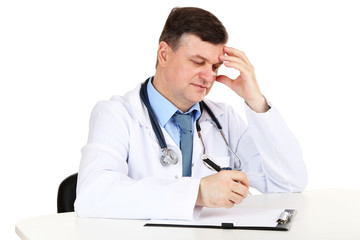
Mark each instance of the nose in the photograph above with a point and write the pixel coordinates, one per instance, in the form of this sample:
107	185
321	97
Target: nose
207	74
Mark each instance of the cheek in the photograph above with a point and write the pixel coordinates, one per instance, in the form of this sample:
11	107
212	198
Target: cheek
173	72
180	69
188	74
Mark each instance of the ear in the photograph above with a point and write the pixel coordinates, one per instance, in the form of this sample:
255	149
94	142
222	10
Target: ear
163	53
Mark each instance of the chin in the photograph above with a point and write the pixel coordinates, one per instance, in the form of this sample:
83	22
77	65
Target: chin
198	99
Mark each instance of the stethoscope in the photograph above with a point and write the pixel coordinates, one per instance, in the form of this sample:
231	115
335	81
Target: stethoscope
168	155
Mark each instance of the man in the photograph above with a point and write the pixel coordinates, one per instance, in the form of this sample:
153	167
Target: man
125	174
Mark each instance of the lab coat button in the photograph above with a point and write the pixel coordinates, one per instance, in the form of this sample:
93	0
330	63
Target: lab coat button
176	177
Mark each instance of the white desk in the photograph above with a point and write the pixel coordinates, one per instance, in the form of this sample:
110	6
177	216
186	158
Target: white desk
322	214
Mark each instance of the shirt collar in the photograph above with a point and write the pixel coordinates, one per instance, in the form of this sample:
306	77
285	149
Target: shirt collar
164	109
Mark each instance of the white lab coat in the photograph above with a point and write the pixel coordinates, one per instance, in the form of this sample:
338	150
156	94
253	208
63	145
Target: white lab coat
121	176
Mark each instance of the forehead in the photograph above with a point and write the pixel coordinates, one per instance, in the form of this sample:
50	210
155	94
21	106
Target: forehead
193	46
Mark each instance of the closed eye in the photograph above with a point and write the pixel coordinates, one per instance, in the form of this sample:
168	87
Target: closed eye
198	63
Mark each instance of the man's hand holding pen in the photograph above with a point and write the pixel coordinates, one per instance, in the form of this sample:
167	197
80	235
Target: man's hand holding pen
223	189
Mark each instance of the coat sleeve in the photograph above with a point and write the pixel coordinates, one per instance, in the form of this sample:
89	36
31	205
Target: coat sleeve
104	188
271	156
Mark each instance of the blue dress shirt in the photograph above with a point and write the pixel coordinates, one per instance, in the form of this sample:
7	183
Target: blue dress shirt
164	110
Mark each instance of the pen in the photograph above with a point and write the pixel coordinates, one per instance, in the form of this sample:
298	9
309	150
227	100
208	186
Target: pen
210	163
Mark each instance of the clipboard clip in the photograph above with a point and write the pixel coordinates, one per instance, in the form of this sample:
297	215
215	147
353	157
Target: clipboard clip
284	217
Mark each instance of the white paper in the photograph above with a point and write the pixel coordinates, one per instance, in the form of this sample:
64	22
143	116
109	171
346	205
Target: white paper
240	217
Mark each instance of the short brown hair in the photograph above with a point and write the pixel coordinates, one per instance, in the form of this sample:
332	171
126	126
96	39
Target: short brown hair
191	20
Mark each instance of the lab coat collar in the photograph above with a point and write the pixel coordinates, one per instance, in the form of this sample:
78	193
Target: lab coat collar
217	111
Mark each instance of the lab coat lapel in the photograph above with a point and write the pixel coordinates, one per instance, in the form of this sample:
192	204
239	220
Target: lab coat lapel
140	111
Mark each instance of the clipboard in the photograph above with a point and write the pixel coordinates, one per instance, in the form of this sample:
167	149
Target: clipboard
281	220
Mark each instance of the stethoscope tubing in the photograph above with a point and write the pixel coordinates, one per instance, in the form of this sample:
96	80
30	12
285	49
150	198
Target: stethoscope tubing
160	136
155	125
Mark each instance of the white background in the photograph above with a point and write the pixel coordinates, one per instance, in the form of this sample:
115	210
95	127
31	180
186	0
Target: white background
58	58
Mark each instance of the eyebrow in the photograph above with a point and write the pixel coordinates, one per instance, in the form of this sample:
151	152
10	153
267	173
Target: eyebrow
205	59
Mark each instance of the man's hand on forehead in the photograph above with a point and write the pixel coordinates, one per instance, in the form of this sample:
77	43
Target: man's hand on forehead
245	84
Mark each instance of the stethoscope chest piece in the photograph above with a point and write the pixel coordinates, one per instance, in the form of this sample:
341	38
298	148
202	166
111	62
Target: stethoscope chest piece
168	157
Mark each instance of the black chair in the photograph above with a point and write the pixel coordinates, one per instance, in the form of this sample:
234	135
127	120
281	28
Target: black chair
67	194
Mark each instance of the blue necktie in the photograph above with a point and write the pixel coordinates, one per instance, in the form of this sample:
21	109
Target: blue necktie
186	145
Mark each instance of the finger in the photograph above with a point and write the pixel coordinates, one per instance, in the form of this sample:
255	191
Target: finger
229	204
235	52
229	58
240	189
237	63
225	80
241	67
236	198
241	177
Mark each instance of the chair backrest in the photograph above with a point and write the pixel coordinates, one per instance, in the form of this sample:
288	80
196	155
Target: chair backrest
67	194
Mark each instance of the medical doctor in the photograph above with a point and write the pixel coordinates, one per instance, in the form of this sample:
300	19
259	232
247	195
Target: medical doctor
142	162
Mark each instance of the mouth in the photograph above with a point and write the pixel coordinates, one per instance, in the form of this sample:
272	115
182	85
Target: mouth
200	87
